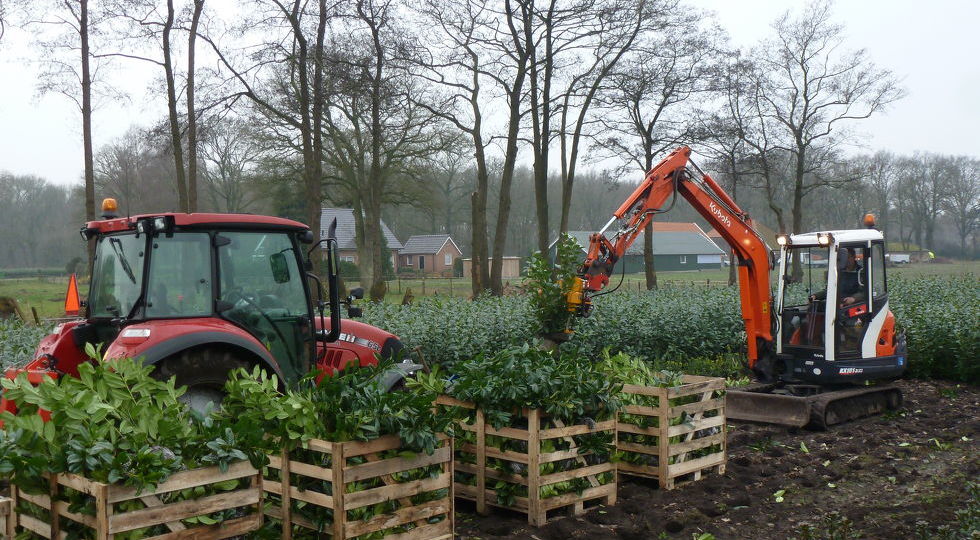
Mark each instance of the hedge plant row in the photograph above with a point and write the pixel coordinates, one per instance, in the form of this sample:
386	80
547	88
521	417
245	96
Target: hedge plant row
693	329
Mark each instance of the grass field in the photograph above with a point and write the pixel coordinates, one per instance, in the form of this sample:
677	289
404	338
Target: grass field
47	294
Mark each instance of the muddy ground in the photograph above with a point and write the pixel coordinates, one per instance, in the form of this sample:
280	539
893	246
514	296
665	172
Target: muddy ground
900	475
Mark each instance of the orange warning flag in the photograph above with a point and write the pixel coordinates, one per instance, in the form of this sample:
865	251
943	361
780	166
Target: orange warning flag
72	304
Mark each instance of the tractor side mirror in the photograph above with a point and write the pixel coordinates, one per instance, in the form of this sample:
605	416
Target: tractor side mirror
280	268
357	293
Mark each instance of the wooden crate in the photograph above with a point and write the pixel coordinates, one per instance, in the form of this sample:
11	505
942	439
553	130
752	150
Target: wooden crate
533	505
685	421
6	519
328	464
106	522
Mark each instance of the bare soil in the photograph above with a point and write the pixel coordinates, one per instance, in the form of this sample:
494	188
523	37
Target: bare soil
899	475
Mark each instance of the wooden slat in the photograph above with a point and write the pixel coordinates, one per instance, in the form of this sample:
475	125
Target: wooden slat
652	391
578	429
638	448
434	531
79	483
569	498
38	500
509	433
453	402
37	526
637	430
698	406
152	501
274	511
680	469
696	444
689	389
490	473
185	480
581	472
227	529
560	455
641	409
496	453
319	445
351	449
393	465
464	491
313	471
396	491
306	495
645	471
61	508
400	516
698	425
148	517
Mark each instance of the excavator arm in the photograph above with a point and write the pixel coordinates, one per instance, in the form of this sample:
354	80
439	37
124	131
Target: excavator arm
677	174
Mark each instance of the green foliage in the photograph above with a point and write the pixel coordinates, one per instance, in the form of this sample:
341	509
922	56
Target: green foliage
564	386
696	330
18	341
350	406
939	317
348	270
114	423
549	285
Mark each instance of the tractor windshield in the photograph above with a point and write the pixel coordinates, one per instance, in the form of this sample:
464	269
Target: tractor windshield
117	277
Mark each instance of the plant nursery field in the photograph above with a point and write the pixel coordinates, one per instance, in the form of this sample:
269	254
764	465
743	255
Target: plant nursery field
911	474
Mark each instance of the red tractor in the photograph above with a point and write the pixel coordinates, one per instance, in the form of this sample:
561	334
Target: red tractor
199	295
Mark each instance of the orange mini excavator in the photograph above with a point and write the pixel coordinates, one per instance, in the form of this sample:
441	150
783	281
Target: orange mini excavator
813	342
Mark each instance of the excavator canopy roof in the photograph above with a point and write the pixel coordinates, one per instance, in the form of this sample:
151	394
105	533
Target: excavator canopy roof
850	235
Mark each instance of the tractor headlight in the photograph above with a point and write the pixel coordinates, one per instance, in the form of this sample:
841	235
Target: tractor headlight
159	224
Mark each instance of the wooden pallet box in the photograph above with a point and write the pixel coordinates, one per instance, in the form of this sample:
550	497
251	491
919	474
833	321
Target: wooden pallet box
673	434
101	511
408	496
481	467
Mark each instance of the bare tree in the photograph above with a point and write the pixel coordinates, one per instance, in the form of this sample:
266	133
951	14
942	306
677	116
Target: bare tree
196	11
275	77
64	31
810	89
963	198
643	103
229	155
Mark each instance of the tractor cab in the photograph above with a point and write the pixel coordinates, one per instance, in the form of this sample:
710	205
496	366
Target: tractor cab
832	319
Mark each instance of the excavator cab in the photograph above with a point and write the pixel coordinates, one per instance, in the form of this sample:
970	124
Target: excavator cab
833	322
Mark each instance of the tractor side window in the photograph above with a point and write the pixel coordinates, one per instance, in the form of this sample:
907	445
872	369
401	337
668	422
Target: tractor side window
262	290
180	276
878	286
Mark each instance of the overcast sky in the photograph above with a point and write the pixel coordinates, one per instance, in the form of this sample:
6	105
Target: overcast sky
932	46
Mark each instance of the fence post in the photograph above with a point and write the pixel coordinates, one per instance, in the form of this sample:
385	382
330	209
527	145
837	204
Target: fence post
423	284
451	286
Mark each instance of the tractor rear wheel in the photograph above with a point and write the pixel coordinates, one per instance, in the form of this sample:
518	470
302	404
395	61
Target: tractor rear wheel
203	371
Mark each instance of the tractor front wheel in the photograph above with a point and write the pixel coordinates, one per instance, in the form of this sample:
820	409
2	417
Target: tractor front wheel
204	373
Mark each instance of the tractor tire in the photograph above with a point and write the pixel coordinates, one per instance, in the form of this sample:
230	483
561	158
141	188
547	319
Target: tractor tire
204	372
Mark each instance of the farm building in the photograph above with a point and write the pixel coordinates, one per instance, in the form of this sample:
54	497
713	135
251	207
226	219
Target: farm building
510	269
346	235
429	254
676	246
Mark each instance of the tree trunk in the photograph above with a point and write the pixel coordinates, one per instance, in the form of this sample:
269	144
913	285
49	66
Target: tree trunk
191	115
478	258
648	262
797	267
87	127
175	138
313	185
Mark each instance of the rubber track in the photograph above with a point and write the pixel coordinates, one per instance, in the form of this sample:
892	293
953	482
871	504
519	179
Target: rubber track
839	406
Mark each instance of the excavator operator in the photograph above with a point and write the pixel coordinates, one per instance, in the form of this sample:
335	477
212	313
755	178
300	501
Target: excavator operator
849	284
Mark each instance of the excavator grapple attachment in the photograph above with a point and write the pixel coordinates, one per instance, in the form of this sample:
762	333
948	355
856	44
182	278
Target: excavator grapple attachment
767	404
